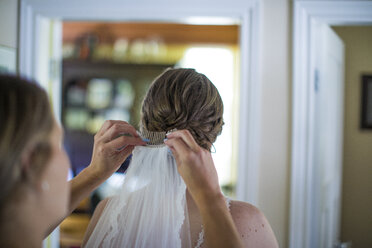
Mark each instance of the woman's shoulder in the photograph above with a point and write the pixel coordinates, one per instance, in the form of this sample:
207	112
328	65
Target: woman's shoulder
102	204
244	208
93	221
247	217
99	209
252	225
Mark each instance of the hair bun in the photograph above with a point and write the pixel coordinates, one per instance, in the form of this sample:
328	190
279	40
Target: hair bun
184	99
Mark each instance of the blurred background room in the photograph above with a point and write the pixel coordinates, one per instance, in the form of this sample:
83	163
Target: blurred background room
295	78
107	68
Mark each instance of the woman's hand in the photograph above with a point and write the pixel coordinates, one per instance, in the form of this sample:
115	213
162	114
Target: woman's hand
113	143
195	165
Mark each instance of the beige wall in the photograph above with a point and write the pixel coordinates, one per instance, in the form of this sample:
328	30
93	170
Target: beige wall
275	116
8	23
356	216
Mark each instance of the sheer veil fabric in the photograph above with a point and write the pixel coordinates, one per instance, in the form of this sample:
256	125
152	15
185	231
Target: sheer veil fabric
151	208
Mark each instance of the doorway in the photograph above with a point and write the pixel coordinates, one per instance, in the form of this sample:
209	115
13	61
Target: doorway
106	62
316	177
107	68
357	158
36	17
47	18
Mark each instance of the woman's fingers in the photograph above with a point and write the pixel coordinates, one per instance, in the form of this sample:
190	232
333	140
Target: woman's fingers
118	129
178	147
110	123
113	143
187	138
122	141
106	125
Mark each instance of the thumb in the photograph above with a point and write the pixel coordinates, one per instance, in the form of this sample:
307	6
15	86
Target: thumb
172	151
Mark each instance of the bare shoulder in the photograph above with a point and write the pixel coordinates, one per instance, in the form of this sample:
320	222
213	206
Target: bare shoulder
252	225
93	221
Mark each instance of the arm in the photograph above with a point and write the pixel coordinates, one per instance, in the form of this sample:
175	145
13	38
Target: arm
196	167
110	150
82	185
218	224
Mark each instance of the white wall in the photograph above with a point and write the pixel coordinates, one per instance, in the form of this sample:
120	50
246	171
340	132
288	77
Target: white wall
275	117
8	23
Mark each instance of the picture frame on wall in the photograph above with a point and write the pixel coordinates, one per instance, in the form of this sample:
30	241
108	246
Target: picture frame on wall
7	60
366	108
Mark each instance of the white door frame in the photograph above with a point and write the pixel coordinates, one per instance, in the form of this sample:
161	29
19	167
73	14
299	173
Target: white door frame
246	13
331	13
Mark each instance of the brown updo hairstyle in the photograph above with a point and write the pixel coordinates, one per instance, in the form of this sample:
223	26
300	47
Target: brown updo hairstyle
26	122
184	99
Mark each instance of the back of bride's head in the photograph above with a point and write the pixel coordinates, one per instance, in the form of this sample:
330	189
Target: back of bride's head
184	99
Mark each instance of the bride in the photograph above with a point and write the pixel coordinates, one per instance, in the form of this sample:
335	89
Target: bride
181	119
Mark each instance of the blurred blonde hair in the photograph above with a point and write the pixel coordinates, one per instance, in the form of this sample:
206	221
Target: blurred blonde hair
26	122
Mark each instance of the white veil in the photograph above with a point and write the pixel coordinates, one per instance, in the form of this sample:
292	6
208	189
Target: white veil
151	208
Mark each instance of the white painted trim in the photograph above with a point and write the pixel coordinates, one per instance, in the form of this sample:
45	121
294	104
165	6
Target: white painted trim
56	67
238	11
41	47
26	40
331	13
250	99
